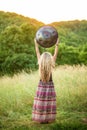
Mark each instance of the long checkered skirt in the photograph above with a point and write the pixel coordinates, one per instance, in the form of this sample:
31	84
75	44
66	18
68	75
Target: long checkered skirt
44	107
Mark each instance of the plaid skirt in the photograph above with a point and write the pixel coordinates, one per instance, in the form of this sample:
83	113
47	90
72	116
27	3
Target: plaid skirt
44	107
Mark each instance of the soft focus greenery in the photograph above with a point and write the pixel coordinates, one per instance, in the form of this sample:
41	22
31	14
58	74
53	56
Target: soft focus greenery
17	52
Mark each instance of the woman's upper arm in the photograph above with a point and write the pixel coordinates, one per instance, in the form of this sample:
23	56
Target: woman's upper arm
37	49
38	55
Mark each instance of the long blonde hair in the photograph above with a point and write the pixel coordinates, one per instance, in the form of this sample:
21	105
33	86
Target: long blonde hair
45	66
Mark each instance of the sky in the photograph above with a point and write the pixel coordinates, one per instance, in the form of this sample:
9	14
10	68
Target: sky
47	11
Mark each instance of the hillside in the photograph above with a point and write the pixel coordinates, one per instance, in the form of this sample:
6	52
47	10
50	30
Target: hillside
17	50
8	19
72	32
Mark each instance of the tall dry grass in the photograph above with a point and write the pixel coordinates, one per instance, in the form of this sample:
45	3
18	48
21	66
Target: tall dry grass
17	95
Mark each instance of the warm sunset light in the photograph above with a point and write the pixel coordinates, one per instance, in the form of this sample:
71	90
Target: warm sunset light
47	11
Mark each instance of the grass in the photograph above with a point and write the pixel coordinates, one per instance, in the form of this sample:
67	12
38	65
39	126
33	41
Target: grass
17	95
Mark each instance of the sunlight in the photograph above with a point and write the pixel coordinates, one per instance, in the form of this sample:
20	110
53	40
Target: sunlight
47	11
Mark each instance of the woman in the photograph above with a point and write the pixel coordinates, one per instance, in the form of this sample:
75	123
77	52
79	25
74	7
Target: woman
44	107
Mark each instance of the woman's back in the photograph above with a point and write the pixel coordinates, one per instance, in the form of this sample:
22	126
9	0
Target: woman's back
45	66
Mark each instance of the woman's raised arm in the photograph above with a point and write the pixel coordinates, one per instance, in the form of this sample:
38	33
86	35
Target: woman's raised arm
37	49
56	50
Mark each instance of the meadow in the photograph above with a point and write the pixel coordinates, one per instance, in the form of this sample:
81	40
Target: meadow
17	95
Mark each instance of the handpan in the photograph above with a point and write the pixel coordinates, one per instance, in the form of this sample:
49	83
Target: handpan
46	36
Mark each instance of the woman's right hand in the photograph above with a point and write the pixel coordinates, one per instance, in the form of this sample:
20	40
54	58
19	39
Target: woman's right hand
35	42
57	43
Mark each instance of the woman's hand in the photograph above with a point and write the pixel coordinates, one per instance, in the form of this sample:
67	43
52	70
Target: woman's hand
57	43
35	41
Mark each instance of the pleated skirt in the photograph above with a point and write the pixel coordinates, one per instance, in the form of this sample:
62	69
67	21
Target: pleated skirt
44	107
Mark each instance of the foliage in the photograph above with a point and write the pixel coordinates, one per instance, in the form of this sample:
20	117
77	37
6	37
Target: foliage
17	50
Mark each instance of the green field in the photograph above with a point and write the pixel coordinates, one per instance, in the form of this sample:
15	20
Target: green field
17	95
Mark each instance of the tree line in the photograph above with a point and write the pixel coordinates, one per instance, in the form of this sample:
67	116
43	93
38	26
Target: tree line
17	50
